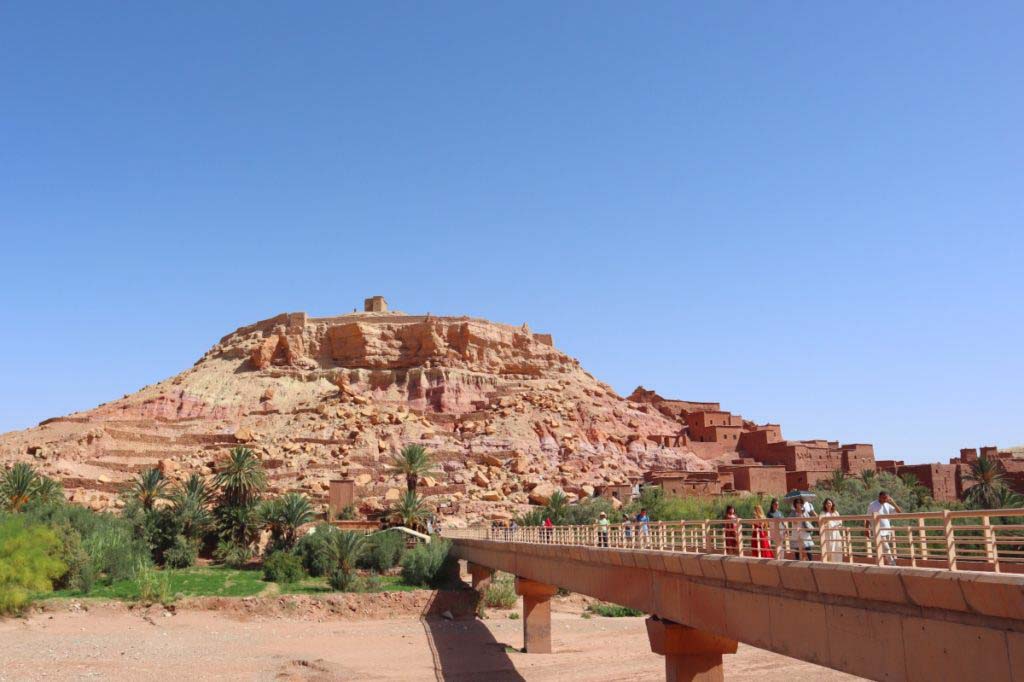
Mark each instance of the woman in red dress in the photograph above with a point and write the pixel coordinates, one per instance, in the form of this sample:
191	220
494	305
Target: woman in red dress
732	535
759	545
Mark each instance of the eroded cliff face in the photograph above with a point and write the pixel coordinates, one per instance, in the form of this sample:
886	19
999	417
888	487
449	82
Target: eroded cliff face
507	415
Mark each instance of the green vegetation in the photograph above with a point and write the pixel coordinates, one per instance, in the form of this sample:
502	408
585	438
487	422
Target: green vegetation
414	463
501	593
148	488
315	549
29	562
411	511
241	482
283	567
346	549
426	565
988	478
21	486
371	582
283	516
562	513
210	581
613	610
383	551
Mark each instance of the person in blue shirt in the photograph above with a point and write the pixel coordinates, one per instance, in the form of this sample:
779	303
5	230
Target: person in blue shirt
643	520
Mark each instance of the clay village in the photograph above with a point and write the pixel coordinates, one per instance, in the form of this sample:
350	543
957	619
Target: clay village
467	488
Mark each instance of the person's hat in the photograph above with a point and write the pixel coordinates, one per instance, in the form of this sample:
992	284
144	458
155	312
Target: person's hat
603	514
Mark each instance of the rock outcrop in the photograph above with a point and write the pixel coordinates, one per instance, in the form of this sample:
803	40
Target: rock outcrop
507	415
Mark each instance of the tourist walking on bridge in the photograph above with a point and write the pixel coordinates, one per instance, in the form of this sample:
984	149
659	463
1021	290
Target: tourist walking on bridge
776	533
731	527
800	538
831	533
643	526
886	536
759	545
602	530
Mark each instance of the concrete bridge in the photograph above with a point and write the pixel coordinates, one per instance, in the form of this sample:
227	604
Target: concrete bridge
879	622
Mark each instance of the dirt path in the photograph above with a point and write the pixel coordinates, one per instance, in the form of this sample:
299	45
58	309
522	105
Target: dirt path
150	645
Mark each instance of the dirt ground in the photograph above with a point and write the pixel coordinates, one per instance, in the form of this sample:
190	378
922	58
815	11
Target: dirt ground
153	644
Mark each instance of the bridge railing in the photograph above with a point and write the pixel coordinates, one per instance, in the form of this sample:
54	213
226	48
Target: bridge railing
987	540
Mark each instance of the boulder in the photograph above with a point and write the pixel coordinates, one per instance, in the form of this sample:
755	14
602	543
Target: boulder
541	493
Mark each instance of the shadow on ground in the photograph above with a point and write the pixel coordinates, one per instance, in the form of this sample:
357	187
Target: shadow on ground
462	647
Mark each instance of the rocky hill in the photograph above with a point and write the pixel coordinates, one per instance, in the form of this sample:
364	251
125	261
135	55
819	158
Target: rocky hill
507	416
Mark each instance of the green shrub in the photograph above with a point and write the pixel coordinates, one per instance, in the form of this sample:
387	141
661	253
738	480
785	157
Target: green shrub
501	593
116	553
368	583
384	551
182	554
153	586
283	567
347	513
95	546
232	554
613	610
80	574
341	579
29	562
315	550
426	564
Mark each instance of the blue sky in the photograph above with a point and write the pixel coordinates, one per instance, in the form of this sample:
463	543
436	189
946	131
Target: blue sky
813	214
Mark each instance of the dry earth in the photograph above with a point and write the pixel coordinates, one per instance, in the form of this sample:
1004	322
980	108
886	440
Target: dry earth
116	643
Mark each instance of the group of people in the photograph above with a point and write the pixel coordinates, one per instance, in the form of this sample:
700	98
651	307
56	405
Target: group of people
768	538
636	530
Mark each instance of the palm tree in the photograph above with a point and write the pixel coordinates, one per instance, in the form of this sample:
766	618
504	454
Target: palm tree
413	462
411	510
556	506
1008	499
191	503
988	477
48	490
284	515
242	479
839	482
346	548
148	488
914	487
868	477
17	486
194	488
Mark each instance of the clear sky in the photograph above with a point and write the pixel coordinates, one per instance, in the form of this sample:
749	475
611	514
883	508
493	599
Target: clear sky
811	212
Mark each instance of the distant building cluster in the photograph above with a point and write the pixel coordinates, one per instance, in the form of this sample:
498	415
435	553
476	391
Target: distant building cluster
766	463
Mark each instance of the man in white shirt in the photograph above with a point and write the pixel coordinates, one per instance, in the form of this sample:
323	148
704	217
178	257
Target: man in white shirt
885	505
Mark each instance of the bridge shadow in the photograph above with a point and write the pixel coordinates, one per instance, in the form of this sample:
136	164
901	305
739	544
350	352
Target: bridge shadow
462	647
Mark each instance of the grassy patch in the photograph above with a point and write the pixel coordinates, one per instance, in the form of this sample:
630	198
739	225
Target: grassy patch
386	583
501	593
212	581
613	611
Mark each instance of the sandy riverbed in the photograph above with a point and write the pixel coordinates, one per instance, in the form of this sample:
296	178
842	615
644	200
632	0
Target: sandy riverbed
151	644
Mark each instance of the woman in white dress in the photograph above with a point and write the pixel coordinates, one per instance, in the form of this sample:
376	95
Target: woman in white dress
831	533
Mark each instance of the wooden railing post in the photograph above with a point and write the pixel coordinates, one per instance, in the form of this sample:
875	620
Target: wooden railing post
947	522
922	538
877	539
991	551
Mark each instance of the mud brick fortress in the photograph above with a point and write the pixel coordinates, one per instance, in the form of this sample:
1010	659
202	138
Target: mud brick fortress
756	458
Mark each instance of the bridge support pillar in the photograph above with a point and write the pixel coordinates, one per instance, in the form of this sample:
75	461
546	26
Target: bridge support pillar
536	615
481	576
690	654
